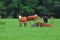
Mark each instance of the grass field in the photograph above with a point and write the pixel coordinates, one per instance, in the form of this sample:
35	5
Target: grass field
10	30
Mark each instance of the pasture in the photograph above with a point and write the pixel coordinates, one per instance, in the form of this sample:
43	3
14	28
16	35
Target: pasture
10	30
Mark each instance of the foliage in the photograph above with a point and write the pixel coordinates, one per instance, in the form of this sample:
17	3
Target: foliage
26	10
29	7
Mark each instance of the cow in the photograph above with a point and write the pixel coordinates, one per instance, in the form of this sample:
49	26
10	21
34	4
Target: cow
33	17
45	19
43	24
22	20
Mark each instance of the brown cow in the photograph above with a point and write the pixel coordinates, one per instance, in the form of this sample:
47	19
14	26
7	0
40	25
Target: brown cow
43	24
22	20
33	17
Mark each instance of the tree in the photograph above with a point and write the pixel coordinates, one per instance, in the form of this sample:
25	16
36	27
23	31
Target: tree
29	7
26	10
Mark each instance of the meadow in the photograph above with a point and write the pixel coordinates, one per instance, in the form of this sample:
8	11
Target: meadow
10	30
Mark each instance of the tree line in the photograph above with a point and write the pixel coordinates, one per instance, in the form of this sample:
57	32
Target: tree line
12	8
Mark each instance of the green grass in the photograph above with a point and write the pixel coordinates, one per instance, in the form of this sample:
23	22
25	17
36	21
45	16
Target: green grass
10	30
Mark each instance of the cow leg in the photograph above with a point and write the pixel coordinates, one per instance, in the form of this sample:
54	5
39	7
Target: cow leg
20	24
35	19
46	21
24	24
